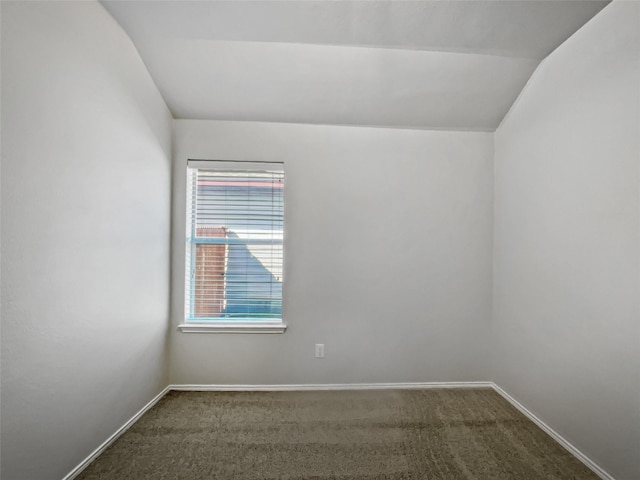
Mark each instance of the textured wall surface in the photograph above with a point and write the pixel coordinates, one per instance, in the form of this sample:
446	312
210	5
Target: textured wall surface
85	235
567	225
387	256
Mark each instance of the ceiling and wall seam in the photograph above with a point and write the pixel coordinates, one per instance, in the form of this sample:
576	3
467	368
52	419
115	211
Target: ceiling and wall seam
538	69
347	63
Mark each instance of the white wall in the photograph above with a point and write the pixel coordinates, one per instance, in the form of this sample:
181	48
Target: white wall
388	256
85	235
567	211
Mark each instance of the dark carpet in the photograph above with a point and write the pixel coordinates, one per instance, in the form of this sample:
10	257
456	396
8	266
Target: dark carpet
447	434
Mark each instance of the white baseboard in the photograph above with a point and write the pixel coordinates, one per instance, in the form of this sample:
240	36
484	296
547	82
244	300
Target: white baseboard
555	435
96	453
328	386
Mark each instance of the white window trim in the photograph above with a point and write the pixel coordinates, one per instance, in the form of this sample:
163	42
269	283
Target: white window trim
261	327
235	327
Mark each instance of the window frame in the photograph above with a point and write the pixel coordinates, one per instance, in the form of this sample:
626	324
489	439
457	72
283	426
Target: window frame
189	325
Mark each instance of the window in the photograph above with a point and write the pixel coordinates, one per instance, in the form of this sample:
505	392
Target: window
234	247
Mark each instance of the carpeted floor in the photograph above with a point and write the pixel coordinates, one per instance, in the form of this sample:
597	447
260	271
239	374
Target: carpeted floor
348	435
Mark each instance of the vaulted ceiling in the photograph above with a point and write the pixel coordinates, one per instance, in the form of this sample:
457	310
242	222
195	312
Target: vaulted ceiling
443	64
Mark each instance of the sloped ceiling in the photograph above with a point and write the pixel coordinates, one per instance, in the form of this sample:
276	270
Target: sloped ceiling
406	64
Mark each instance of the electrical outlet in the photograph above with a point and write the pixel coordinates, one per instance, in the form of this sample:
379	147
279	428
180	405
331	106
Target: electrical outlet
319	350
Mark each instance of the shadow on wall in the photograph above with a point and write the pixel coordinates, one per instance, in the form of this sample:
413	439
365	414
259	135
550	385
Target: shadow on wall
249	285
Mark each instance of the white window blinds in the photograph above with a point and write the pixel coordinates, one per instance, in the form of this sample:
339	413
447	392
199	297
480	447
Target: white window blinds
234	254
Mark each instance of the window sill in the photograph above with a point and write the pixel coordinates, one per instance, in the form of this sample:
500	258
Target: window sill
234	327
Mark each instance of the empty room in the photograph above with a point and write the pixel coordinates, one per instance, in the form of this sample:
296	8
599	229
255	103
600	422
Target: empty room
305	240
